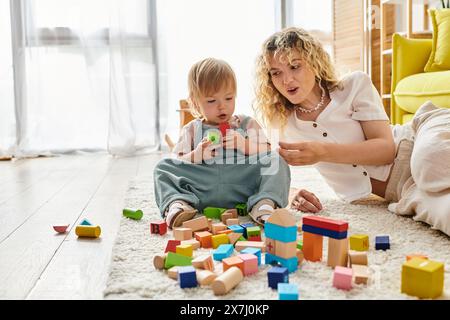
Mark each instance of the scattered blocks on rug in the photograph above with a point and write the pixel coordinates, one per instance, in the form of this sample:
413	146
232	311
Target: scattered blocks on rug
182	233
342	278
277	275
422	278
187	277
287	291
382	242
359	242
223	251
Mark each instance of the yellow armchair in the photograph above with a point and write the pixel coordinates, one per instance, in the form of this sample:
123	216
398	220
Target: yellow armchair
411	86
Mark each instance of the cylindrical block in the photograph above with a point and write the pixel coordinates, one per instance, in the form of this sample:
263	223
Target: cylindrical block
227	281
88	231
159	261
133	213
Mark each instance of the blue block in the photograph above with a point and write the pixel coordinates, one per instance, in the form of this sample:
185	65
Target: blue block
85	222
291	264
287	291
255	251
223	251
284	234
237	229
245	226
187	277
325	232
382	243
277	275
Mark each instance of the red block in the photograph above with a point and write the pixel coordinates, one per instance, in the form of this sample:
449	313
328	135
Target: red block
172	246
159	227
223	127
254	238
326	223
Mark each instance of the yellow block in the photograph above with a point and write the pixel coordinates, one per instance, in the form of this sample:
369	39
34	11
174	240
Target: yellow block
185	249
219	239
88	231
423	278
359	242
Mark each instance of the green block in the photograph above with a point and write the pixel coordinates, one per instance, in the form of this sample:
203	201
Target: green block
175	259
253	231
300	244
133	214
213	213
214	136
241	238
242	209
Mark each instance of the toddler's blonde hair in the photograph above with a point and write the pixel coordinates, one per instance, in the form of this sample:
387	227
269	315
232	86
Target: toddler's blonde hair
207	77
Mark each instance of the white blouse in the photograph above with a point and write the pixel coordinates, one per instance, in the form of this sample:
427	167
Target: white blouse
339	122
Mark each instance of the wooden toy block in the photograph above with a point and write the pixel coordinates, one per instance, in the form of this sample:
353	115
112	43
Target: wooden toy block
244	228
299	227
203	262
223	127
237	229
285	250
359	242
225	216
357	257
312	246
187	277
254	251
234	261
360	274
205	277
300	256
223	251
271	245
234	213
285	234
85	222
240	245
282	218
175	259
227	281
182	233
253	231
291	264
88	231
342	278
337	252
172	246
159	261
233	237
382	242
213	136
213	213
299	244
158	227
185	250
416	255
61	228
325	223
325	232
215	227
250	263
422	278
198	224
205	239
277	275
287	291
254	238
173	273
227	231
194	243
241	209
134	214
219	239
210	222
232	222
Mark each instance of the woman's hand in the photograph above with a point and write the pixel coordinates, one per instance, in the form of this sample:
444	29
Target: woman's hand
306	201
302	153
234	140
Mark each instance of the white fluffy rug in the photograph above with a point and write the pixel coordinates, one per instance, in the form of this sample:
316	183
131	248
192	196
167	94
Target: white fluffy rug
132	275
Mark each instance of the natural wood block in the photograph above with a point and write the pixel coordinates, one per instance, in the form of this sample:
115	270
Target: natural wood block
173	273
232	222
357	257
416	255
250	244
233	237
215	227
227	231
312	246
271	245
225	216
182	233
159	260
204	262
227	281
282	217
337	252
194	243
205	277
285	250
198	224
360	274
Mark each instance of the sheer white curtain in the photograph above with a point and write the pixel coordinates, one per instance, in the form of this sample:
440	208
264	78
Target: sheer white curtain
86	76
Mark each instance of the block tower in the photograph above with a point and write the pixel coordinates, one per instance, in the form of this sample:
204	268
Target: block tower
281	240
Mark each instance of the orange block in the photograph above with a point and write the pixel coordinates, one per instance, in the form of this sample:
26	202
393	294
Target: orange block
205	239
227	231
312	246
416	255
234	261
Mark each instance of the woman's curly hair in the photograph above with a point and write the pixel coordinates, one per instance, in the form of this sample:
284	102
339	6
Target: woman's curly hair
270	106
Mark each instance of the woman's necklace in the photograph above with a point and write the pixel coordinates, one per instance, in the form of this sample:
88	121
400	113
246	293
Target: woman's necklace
319	105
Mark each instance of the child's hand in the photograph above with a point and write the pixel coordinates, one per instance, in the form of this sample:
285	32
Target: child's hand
234	140
206	150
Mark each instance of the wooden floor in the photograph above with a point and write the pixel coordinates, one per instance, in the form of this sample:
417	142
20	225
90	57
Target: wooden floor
35	261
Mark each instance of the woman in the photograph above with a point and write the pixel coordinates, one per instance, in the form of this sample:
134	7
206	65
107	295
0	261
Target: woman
340	126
